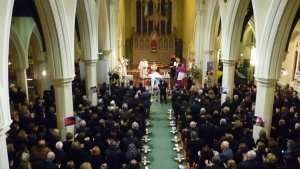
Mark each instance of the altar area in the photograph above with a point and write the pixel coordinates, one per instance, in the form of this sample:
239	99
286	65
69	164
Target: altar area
153	35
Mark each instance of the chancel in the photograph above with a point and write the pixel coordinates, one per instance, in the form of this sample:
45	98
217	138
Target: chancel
97	84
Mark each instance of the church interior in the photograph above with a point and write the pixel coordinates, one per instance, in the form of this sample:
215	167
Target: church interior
150	84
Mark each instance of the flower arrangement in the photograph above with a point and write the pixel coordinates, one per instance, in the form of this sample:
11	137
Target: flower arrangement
195	72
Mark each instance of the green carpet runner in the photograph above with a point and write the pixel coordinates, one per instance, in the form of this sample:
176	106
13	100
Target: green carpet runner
162	154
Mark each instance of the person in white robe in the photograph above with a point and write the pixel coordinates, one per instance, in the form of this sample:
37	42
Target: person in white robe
191	64
143	66
123	65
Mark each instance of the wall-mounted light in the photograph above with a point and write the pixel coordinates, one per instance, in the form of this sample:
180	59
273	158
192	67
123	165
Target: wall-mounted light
29	79
242	55
284	72
44	72
9	63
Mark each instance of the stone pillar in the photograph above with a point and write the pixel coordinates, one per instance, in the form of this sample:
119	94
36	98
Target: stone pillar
64	103
264	104
3	153
5	122
228	78
91	79
199	33
22	80
114	10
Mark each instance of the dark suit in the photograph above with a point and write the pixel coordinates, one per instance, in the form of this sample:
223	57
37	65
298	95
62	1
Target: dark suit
193	146
48	165
60	157
146	97
249	164
114	158
207	131
163	91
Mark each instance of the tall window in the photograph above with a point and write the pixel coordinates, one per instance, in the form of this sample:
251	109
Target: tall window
147	8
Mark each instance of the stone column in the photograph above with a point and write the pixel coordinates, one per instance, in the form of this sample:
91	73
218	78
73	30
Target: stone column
199	33
64	103
22	80
114	10
91	79
5	122
264	104
3	153
228	78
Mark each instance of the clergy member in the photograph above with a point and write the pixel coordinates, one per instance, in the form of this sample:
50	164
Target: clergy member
123	62
143	68
181	74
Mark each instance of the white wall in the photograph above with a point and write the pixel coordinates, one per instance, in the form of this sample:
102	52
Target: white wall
289	62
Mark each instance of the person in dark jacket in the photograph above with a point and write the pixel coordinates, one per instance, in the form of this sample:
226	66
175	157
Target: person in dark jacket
113	156
193	146
163	85
249	162
95	158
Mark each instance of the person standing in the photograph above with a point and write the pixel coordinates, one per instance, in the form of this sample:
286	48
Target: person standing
173	67
123	64
163	91
143	66
181	74
191	64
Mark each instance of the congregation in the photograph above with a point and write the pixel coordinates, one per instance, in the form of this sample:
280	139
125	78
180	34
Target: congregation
107	135
220	135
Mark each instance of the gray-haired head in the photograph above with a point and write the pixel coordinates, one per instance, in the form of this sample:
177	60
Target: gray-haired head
194	135
59	145
50	156
226	110
135	126
222	121
251	155
290	144
200	91
215	160
297	126
202	111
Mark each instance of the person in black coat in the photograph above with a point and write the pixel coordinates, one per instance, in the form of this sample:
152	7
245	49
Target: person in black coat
220	130
48	164
60	155
163	85
193	146
113	156
249	162
95	158
207	130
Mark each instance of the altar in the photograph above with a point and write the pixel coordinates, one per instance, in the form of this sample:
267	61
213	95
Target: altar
150	78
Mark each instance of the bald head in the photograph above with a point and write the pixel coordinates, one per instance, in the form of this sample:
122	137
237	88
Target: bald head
224	145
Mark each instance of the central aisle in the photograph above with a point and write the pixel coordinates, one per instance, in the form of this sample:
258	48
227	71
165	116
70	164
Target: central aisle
162	155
